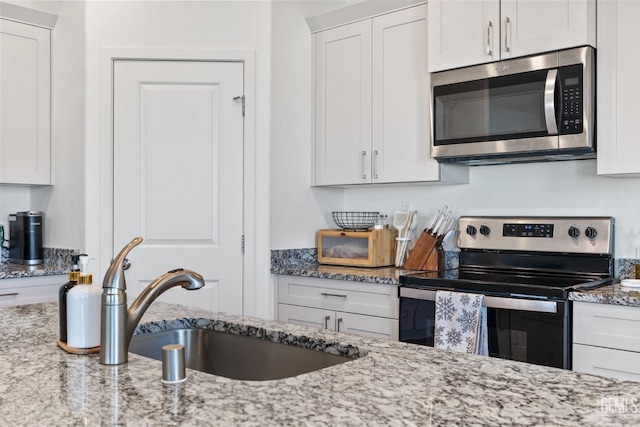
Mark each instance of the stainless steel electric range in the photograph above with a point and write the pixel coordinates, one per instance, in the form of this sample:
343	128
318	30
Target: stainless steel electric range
526	267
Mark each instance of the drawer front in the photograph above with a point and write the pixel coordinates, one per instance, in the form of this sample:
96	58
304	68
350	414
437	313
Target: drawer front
620	364
373	299
606	325
370	326
30	290
306	316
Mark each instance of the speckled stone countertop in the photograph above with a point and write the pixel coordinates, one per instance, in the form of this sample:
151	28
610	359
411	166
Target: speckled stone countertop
57	261
393	384
613	294
304	262
16	271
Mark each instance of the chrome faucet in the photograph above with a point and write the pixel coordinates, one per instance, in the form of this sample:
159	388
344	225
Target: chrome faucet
118	323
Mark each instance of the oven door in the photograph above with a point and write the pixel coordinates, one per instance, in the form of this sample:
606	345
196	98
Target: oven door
527	330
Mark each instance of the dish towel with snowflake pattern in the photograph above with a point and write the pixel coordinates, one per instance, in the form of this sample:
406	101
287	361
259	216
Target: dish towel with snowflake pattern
461	322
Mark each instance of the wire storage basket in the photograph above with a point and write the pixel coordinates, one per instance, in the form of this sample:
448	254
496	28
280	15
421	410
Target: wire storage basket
355	220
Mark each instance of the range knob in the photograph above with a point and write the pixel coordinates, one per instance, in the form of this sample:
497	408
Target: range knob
471	230
574	232
484	230
591	232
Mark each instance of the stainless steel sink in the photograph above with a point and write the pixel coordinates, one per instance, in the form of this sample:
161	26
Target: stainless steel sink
235	356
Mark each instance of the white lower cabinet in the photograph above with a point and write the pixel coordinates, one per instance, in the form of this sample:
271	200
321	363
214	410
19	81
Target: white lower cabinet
30	290
369	309
606	340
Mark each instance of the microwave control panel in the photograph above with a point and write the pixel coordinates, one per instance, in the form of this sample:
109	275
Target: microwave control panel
571	86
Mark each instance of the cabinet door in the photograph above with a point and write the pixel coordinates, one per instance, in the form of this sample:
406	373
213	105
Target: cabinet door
534	26
623	365
306	316
400	100
618	87
463	32
343	105
370	326
25	86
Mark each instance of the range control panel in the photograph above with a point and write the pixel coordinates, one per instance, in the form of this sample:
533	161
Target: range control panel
592	235
528	230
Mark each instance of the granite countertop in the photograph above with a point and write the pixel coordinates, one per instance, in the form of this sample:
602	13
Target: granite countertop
385	275
57	261
18	271
304	262
392	383
612	294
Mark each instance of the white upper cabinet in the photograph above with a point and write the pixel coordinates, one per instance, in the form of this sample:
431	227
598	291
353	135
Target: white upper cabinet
25	97
618	61
463	33
343	104
371	107
471	32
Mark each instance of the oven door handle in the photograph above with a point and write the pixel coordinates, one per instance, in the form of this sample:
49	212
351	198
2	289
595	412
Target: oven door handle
550	102
537	306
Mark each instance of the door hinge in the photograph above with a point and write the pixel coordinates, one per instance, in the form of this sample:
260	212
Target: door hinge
242	244
242	100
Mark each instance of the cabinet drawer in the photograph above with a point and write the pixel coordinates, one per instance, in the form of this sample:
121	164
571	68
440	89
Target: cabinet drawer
369	326
605	325
620	364
30	290
352	297
305	316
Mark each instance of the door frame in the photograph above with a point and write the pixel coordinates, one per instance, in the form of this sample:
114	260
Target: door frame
104	214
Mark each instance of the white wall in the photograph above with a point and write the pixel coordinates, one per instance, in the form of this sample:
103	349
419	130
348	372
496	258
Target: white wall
558	188
296	209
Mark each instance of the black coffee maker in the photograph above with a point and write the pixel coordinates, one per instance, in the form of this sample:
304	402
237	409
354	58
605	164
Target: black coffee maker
25	238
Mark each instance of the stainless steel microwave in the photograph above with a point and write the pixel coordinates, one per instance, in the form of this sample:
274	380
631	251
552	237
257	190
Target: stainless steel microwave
528	109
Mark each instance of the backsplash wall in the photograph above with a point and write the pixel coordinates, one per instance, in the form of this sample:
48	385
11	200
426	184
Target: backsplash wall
538	189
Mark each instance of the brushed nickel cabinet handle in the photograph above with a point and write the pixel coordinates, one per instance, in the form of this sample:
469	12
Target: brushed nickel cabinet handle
375	164
364	157
324	294
489	31
507	25
10	295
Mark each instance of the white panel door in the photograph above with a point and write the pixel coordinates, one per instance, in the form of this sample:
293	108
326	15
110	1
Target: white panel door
463	32
535	26
178	155
400	100
25	104
343	105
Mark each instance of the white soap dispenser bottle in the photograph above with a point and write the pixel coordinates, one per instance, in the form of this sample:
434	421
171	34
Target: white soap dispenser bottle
83	311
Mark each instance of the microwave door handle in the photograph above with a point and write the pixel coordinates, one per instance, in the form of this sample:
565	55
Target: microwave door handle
550	103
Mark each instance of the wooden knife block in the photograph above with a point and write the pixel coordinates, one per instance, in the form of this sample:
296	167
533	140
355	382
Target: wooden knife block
423	257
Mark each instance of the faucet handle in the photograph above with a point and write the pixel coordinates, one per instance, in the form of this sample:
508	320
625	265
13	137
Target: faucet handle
114	278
